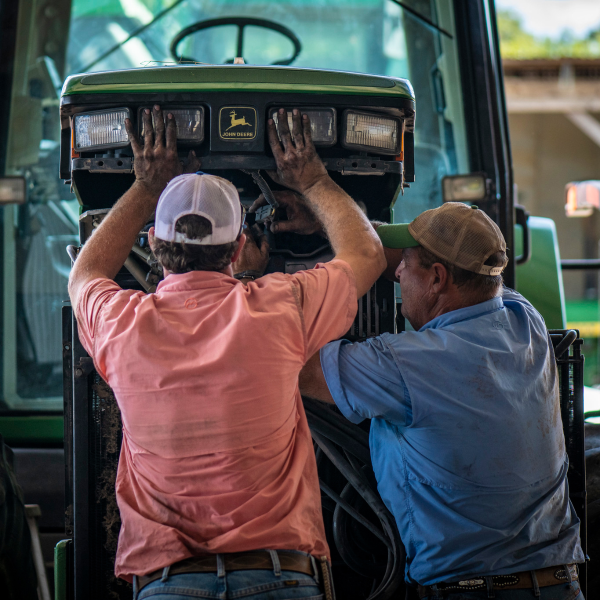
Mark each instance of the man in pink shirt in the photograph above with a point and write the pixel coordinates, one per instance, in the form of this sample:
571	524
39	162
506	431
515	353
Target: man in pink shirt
217	483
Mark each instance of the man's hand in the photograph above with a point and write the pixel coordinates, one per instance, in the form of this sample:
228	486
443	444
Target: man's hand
191	164
350	234
298	164
155	164
300	218
155	161
255	253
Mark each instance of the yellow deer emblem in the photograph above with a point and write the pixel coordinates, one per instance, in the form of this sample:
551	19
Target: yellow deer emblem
235	122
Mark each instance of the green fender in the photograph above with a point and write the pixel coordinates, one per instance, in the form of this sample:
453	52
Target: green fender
63	570
540	278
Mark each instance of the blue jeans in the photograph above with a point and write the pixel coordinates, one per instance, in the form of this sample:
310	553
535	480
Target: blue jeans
246	585
562	591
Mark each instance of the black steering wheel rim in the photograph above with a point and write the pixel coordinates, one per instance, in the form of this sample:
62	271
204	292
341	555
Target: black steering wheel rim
241	22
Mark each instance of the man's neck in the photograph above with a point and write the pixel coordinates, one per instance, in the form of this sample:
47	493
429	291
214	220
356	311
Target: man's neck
226	271
451	302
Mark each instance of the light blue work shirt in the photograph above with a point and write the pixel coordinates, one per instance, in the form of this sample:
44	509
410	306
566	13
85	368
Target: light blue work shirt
466	439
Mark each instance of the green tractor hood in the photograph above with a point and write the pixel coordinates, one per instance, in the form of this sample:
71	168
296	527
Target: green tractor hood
239	78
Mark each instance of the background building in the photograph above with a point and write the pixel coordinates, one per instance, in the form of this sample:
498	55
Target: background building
552	82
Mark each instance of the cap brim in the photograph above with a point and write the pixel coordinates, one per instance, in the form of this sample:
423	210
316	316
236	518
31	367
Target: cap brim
396	236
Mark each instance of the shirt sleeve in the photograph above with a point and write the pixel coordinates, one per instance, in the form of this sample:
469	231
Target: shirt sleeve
365	382
326	297
90	302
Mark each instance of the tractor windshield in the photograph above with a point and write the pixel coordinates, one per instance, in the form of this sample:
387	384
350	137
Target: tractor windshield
413	39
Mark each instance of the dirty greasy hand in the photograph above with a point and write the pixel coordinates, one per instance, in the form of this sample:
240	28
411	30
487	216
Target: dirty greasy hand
191	164
155	161
255	253
298	164
300	218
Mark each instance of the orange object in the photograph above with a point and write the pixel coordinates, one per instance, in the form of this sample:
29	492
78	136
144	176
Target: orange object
73	153
400	157
217	455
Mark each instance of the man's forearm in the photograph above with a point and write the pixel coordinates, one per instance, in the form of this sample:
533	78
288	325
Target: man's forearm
312	381
393	256
344	223
105	252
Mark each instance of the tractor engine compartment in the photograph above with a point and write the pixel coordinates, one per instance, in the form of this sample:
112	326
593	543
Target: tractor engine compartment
100	169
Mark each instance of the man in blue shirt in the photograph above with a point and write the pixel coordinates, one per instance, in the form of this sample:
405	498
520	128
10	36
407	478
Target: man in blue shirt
466	435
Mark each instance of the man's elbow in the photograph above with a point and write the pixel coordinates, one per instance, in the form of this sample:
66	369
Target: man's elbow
77	280
72	288
381	260
374	255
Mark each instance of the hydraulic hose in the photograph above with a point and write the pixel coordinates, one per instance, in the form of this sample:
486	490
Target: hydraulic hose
138	274
347	448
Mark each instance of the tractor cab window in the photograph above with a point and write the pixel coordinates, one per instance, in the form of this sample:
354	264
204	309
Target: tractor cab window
413	39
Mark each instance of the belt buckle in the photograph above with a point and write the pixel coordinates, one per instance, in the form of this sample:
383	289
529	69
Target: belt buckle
466	583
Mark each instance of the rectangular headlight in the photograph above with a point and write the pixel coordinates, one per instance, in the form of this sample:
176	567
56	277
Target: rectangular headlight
101	129
190	123
368	131
323	123
464	188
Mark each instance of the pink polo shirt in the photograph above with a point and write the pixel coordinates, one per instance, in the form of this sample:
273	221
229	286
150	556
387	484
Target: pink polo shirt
217	454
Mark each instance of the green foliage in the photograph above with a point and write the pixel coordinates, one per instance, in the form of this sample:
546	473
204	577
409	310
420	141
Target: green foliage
517	43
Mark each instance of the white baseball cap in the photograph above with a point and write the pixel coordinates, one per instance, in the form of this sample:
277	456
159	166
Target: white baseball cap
208	196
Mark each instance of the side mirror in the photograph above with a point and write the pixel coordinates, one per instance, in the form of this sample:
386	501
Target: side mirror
581	197
521	219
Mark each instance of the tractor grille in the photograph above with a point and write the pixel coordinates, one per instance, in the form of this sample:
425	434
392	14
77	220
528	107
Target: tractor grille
105	446
375	313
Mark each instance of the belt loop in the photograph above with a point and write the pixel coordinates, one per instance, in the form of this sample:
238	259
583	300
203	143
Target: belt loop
439	593
313	563
489	584
536	587
276	563
220	566
328	589
135	587
568	573
165	574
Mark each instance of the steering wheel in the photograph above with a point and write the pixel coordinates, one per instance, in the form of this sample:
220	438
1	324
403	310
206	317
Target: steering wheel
241	22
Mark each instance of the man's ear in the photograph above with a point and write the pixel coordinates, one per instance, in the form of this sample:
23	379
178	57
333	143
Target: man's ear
151	238
241	242
441	278
393	257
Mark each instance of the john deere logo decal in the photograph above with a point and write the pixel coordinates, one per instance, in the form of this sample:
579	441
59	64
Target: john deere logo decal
237	123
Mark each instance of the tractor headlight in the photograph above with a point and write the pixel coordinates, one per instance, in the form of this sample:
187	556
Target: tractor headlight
101	129
368	131
323	123
189	121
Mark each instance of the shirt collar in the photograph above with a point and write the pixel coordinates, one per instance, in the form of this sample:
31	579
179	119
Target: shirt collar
464	314
194	280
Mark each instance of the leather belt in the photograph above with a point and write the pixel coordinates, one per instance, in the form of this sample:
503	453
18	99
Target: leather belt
513	581
236	561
